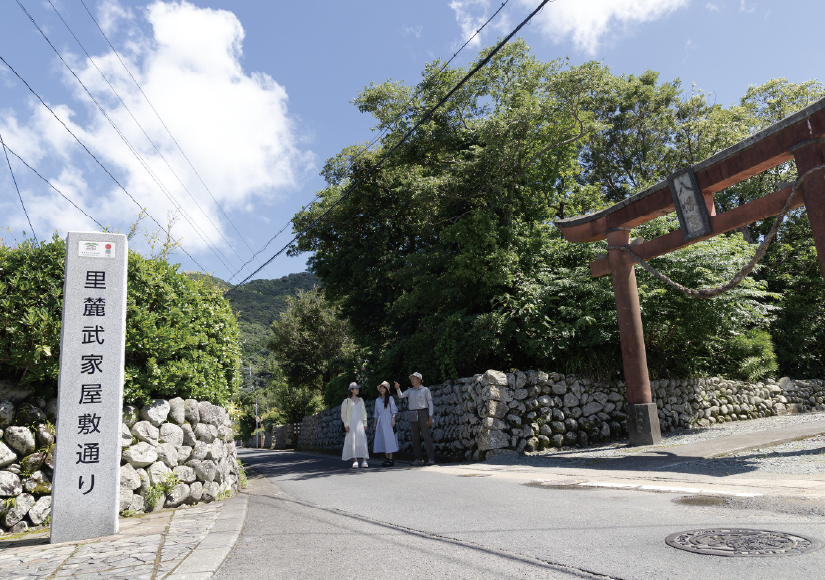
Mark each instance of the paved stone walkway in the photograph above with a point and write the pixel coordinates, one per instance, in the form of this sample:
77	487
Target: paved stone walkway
147	548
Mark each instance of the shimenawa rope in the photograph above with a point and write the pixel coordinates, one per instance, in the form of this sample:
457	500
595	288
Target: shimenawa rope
746	269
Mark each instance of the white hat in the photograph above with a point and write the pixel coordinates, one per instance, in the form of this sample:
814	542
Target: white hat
354	385
420	378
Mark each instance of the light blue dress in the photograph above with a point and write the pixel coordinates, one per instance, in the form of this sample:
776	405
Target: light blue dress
386	441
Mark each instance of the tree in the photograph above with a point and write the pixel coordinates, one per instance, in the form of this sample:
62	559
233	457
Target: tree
309	340
181	336
454	217
445	260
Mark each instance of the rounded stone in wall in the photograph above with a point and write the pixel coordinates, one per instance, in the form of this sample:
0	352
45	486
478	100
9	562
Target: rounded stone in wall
178	495
10	484
191	411
7	412
171	433
140	455
195	492
155	412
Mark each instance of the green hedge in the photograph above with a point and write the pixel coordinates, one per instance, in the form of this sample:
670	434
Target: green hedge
181	335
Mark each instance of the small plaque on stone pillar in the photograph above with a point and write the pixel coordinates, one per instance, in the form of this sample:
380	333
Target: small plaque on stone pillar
690	204
86	485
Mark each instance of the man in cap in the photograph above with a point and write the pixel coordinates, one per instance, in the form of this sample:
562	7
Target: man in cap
420	405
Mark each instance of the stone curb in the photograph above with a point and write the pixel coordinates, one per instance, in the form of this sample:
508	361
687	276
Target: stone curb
208	556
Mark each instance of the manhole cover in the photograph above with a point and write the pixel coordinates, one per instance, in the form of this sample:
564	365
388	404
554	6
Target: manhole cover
700	500
739	542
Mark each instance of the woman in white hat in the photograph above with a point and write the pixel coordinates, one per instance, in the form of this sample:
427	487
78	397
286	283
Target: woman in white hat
354	416
385	439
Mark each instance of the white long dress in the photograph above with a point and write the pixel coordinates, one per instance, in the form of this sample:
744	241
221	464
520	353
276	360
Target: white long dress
355	443
386	441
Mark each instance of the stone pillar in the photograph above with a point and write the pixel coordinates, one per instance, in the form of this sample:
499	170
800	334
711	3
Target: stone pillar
808	155
86	485
642	414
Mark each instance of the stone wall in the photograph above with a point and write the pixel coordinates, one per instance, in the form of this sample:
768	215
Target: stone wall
506	413
281	436
191	439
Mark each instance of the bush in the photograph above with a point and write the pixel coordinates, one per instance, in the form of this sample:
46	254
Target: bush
296	402
749	356
181	336
564	319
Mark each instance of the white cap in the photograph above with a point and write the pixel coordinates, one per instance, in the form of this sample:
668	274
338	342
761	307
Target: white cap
420	378
354	386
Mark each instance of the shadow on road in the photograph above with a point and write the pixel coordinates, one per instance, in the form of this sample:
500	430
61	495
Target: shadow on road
662	461
301	465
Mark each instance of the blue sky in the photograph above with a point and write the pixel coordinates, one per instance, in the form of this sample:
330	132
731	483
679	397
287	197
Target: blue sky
257	95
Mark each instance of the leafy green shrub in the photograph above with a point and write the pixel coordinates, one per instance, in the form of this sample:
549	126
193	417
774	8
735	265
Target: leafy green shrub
792	269
181	336
242	477
749	356
296	402
564	319
160	489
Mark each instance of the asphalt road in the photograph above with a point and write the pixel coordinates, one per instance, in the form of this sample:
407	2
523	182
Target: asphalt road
313	516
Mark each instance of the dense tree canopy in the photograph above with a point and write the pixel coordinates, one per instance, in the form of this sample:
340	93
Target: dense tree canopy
445	260
181	336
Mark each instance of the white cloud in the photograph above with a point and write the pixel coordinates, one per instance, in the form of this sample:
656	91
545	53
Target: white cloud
234	126
743	7
689	45
109	15
589	24
414	30
471	16
712	7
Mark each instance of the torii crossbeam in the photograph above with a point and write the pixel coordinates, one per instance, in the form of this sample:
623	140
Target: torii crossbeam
800	137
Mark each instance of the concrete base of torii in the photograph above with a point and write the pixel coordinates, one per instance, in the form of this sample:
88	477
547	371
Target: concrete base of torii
643	424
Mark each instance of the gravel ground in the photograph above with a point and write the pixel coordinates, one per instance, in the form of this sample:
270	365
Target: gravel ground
615	450
795	506
804	457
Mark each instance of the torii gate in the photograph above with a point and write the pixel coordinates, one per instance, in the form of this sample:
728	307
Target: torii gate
800	136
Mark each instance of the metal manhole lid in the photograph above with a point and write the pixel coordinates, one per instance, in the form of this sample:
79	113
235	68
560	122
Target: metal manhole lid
739	542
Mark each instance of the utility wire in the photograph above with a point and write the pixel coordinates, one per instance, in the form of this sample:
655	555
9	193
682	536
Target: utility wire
352	160
49	183
147	137
59	120
167	129
14	179
103	112
140	159
426	116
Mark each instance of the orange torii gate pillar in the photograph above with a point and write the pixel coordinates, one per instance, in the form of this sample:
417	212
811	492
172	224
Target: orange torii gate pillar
689	192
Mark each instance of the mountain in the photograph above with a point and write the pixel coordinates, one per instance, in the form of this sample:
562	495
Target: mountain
256	305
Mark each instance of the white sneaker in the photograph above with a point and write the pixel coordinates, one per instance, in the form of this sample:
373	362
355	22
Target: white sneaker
355	464
364	464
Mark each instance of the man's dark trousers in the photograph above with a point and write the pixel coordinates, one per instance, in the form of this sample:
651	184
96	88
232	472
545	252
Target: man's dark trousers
419	429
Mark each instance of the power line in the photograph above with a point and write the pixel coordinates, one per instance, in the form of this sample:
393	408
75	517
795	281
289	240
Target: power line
49	183
14	179
429	113
140	159
167	130
352	160
146	135
164	230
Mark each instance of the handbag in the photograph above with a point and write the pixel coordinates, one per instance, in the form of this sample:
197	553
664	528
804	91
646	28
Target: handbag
412	416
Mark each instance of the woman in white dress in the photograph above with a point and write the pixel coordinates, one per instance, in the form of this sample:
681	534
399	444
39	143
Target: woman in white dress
386	440
354	416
